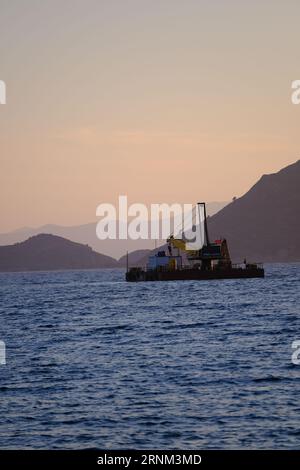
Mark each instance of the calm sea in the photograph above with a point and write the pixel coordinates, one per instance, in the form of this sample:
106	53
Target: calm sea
95	362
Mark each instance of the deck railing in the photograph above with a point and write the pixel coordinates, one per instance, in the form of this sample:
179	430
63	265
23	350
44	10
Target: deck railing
187	267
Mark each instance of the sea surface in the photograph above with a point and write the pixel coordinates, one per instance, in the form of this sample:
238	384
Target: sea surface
95	362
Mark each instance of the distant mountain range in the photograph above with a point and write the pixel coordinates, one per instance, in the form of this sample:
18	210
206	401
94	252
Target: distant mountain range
86	234
49	252
263	225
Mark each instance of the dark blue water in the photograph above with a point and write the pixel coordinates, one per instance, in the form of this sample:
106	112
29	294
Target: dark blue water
95	362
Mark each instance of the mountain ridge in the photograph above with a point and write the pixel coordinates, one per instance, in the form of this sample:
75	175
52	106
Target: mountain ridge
263	223
86	234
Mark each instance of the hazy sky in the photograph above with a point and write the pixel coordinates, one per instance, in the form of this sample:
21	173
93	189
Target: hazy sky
162	100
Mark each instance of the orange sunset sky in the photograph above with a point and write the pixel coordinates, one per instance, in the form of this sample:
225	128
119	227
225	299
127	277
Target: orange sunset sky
164	101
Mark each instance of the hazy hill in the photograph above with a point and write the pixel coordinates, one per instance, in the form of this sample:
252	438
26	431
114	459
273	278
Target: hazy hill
134	257
49	252
262	225
86	234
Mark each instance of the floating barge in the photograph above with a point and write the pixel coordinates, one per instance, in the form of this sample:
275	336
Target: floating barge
212	261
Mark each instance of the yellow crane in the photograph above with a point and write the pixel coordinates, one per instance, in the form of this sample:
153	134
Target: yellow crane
180	245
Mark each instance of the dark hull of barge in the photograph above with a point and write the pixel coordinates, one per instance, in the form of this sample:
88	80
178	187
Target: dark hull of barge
140	275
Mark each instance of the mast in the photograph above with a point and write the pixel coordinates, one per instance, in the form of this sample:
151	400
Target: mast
205	222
